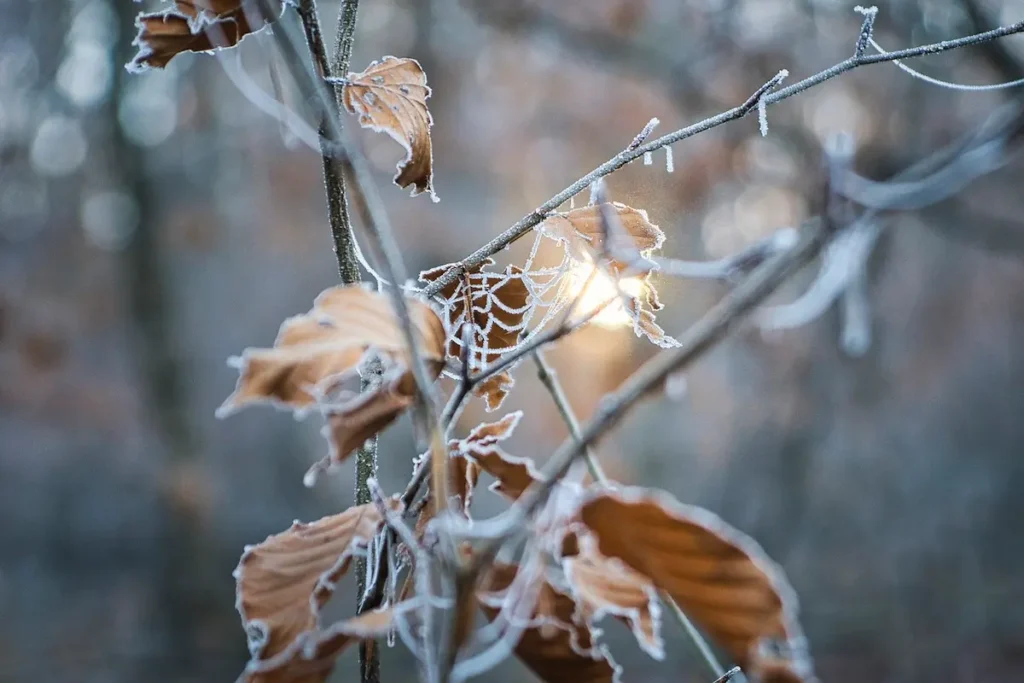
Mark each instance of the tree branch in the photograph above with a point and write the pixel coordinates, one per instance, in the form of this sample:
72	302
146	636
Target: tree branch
334	181
345	253
534	218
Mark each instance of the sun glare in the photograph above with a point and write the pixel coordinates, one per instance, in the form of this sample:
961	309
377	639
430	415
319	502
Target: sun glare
600	290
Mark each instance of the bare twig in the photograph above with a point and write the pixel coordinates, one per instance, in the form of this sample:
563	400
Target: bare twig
344	250
334	181
534	218
549	379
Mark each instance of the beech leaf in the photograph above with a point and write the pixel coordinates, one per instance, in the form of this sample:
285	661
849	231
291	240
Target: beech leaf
284	581
315	349
581	234
390	97
498	303
720	577
553	646
482	447
195	26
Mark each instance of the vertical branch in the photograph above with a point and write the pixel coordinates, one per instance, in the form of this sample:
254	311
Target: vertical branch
344	250
334	181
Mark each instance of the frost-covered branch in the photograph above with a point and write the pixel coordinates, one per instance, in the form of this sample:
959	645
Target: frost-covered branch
631	153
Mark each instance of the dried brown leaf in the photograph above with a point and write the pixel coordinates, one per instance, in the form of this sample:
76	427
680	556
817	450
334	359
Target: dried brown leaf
311	657
195	26
284	581
601	586
482	446
581	232
554	647
390	97
499	303
720	577
494	389
321	345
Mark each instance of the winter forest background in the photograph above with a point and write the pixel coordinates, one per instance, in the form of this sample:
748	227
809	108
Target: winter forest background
152	226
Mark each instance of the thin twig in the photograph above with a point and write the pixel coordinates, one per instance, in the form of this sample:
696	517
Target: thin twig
334	181
535	217
549	379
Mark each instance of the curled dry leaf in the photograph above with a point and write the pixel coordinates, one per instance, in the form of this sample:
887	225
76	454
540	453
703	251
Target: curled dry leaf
581	233
390	97
195	26
284	581
553	646
317	352
497	305
720	577
483	447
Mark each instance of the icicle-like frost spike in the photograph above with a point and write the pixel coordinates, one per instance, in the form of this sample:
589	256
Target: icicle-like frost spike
762	102
670	164
648	158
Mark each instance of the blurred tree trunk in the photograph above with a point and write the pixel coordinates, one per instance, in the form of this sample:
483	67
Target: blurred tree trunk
186	594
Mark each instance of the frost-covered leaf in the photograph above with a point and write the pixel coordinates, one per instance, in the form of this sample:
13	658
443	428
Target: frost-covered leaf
581	233
195	26
482	447
498	304
601	586
494	389
390	97
311	657
284	581
553	645
350	422
721	578
316	348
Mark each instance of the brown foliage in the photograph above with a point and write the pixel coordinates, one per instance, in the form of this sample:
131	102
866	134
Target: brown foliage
721	578
482	447
327	341
581	233
315	353
390	97
194	26
284	581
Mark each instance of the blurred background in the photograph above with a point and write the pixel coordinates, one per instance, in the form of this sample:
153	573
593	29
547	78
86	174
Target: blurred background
151	226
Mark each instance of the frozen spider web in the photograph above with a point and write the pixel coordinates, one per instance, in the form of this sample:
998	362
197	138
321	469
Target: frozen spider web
478	300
